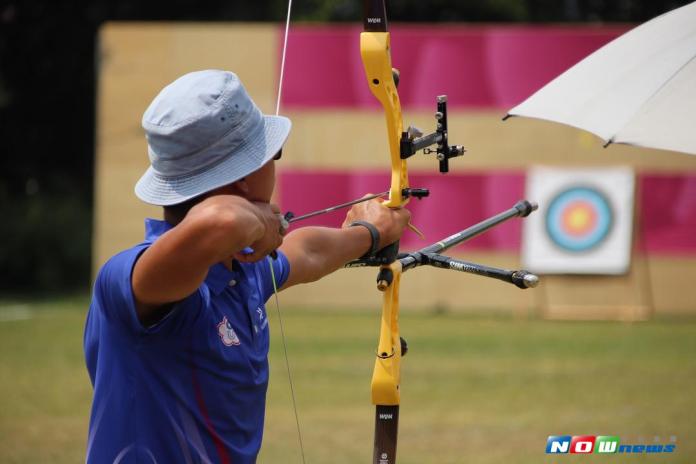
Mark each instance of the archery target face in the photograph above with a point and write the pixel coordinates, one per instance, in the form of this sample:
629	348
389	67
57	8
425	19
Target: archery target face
584	221
578	219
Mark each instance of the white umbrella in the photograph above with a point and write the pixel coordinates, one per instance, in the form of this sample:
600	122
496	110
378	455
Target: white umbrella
639	89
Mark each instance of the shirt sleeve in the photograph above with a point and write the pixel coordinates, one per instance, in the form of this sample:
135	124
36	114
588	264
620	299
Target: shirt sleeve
114	291
281	272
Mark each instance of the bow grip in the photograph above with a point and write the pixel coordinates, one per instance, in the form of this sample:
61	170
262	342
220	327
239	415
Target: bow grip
388	254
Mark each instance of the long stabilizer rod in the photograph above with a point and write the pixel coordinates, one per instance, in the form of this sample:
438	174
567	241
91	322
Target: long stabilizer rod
522	208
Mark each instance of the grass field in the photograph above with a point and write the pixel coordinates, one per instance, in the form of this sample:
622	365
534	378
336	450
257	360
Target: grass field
476	388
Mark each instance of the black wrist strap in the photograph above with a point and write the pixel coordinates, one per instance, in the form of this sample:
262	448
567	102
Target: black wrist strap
374	234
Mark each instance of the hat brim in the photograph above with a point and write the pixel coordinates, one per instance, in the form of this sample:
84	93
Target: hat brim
250	156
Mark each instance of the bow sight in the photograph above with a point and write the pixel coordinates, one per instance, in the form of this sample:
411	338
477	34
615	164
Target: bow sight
413	140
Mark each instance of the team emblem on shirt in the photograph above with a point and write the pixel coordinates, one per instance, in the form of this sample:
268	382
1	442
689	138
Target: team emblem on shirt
227	333
262	317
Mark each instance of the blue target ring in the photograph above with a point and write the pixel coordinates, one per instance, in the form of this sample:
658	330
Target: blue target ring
579	219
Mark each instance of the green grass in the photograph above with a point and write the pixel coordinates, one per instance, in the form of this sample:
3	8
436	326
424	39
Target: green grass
476	388
45	390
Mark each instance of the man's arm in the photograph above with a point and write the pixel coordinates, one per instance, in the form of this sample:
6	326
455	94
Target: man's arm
314	252
213	231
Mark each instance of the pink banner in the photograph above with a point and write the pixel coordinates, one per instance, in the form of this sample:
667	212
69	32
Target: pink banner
476	66
666	205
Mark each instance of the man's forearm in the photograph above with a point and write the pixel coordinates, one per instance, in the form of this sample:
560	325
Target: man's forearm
319	251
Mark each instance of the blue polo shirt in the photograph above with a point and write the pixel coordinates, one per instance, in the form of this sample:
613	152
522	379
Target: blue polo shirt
191	388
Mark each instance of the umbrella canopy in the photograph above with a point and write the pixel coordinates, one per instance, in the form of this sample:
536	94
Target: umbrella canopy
639	89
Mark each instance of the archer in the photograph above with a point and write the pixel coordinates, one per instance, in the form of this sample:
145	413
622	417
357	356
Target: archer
176	338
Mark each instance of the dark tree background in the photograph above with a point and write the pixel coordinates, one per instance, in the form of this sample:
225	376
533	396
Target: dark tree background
47	105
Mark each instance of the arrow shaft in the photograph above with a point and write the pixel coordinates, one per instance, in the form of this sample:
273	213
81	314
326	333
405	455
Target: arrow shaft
336	207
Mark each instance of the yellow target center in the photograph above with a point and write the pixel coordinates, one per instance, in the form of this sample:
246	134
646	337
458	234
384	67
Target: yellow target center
579	218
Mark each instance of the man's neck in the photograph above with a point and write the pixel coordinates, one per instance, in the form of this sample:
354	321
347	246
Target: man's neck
173	217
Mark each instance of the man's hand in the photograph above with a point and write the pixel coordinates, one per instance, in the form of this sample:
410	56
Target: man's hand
215	230
389	222
269	215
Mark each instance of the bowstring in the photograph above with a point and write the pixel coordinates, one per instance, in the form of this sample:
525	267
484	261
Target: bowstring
287	359
270	261
282	60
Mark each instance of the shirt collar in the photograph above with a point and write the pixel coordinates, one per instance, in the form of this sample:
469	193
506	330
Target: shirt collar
154	228
218	278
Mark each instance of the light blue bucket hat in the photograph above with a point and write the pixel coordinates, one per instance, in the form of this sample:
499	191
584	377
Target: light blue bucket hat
203	131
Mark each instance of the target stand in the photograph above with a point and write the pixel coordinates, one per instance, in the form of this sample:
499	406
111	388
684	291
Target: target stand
582	242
